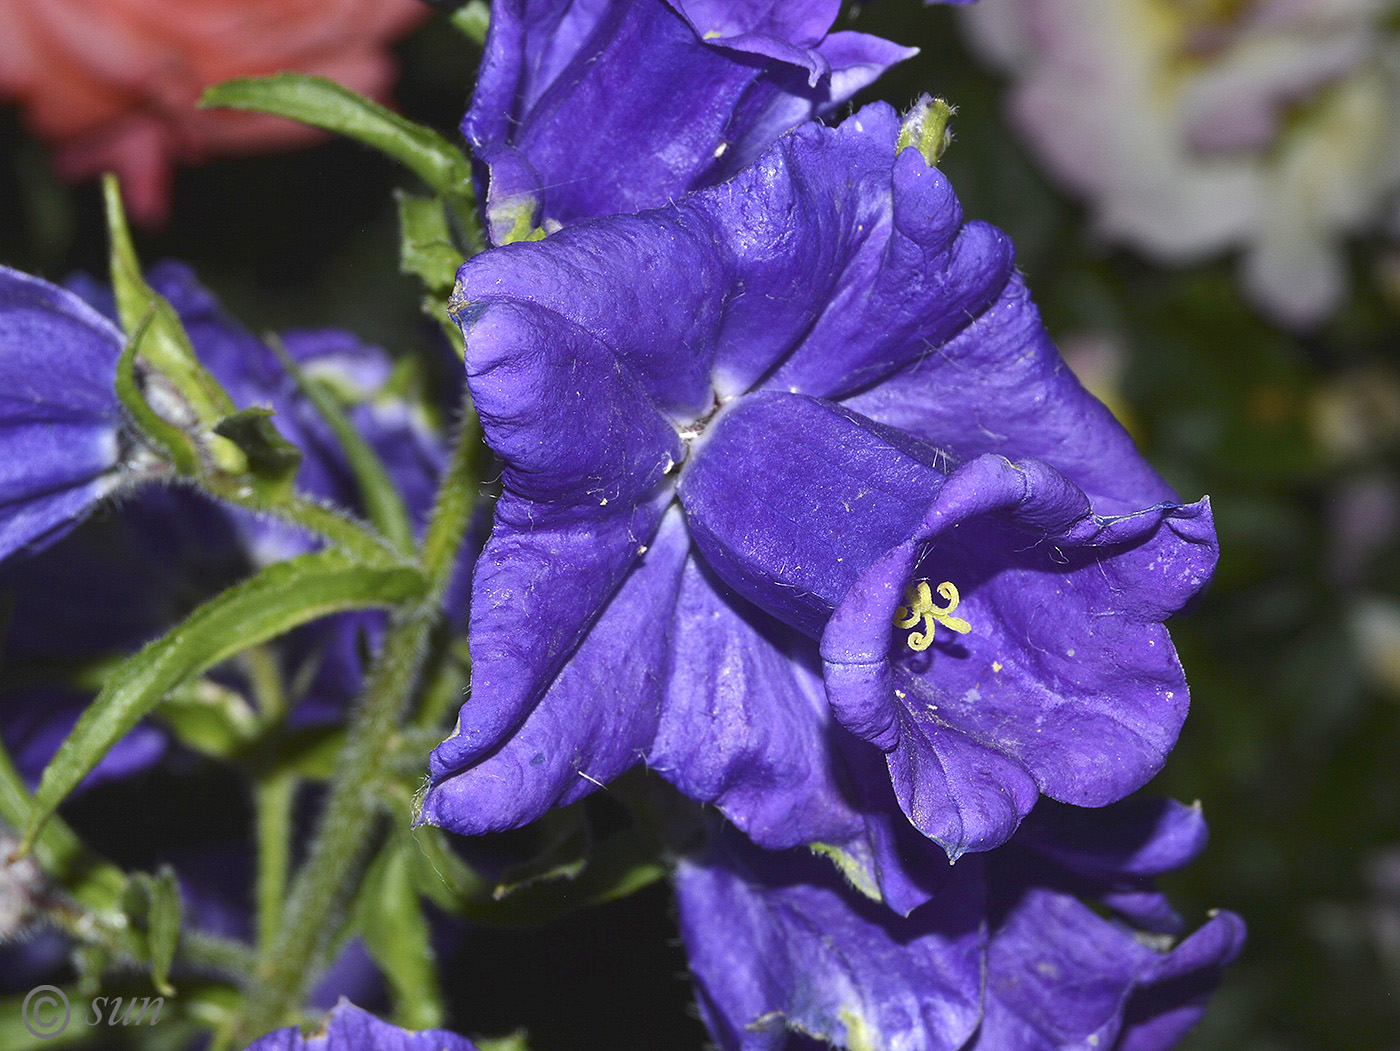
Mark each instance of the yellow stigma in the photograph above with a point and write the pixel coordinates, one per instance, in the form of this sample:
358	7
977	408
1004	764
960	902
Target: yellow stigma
921	608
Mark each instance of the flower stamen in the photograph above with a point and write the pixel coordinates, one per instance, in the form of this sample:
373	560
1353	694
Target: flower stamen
920	607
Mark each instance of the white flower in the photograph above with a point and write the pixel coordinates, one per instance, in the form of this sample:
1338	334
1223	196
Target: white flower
1194	127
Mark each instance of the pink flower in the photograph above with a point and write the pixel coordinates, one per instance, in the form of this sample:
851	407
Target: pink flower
113	84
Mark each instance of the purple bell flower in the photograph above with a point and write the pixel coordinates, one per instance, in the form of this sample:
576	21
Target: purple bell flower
62	431
347	1028
584	110
122	581
1006	957
738	434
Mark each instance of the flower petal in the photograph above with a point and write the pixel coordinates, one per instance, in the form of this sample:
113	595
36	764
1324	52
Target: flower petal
617	107
350	1029
1000	386
59	415
586	457
745	725
777	943
578	736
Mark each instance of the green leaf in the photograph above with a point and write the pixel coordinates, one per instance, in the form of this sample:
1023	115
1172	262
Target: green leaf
92	881
395	931
383	501
426	249
325	104
279	598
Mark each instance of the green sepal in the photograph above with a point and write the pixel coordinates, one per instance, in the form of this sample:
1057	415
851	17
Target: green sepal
426	249
382	499
281	597
167	346
390	918
925	128
325	104
176	444
272	460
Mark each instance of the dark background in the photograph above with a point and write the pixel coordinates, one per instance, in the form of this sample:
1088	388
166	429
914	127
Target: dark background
1291	743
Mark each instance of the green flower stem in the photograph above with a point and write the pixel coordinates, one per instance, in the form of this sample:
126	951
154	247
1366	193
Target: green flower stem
274	794
224	956
318	906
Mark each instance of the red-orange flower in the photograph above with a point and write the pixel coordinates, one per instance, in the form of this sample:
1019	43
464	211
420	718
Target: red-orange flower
113	83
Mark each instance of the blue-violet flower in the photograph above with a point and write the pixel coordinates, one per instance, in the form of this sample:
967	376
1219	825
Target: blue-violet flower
63	440
591	109
806	424
1007	957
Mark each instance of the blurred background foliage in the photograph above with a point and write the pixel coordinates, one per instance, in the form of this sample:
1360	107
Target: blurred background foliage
1293	656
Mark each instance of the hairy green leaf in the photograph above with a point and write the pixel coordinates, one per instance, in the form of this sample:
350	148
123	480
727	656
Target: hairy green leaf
95	883
279	598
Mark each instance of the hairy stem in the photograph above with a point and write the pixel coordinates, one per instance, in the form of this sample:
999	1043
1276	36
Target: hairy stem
317	907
